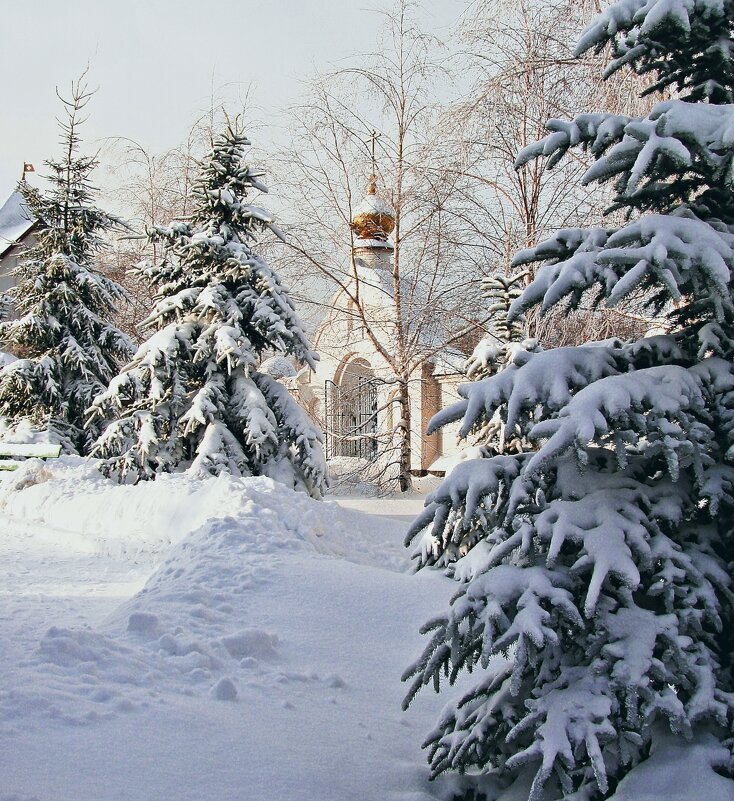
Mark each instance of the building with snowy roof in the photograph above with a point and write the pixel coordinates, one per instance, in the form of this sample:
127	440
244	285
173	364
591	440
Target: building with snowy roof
17	234
353	393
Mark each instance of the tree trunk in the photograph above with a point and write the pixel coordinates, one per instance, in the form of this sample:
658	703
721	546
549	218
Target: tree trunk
405	481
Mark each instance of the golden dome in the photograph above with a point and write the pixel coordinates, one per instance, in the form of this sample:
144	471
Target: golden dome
374	218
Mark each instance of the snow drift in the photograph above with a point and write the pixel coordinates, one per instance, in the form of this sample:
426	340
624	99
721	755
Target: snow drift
259	657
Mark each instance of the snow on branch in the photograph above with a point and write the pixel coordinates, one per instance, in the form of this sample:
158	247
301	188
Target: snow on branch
679	256
687	44
658	404
540	382
688	142
596	132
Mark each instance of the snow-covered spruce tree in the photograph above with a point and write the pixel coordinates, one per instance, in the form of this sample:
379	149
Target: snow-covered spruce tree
192	397
70	350
596	600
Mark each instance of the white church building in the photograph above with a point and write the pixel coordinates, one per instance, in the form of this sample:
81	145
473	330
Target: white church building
352	393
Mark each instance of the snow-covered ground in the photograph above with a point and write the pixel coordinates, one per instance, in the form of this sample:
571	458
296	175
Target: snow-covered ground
206	640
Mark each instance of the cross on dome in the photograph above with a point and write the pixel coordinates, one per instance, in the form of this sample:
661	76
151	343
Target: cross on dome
374	218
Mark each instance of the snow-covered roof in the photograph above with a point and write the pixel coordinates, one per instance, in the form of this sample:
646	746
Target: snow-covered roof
16	221
374	217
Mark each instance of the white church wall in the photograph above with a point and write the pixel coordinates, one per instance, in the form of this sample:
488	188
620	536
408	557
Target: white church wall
450	433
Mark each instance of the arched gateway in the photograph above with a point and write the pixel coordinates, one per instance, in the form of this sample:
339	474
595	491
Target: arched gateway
351	411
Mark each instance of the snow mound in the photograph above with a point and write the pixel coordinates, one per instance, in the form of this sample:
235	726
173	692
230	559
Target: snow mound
82	510
212	635
190	631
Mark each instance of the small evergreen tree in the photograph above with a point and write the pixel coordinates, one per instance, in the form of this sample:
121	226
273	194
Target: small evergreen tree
501	346
193	397
596	598
504	335
501	291
69	349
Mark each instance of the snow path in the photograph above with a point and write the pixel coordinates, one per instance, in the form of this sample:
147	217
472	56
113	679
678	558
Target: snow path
403	508
261	660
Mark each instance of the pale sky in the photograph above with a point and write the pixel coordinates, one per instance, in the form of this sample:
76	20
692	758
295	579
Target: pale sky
155	62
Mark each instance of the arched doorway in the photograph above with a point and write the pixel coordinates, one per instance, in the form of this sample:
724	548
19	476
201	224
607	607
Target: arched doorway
354	372
351	411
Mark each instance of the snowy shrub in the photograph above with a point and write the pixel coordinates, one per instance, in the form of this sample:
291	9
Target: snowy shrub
595	601
193	397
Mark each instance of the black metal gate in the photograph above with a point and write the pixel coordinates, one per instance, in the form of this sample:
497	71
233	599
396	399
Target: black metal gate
351	419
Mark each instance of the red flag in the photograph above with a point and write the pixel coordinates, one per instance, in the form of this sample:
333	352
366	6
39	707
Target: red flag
28	167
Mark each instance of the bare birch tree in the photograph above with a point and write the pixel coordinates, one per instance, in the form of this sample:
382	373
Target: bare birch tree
519	53
438	238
